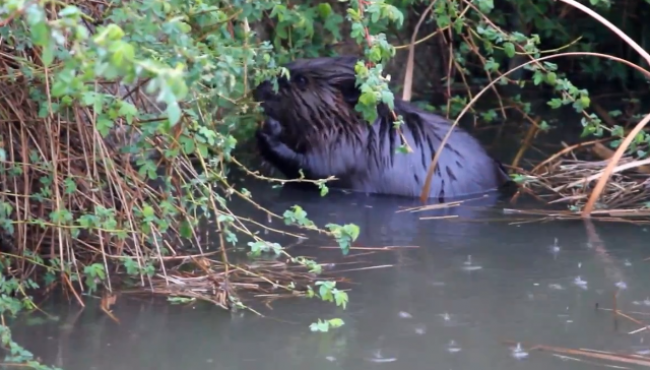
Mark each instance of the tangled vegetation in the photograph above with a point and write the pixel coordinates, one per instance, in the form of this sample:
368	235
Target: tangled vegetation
120	121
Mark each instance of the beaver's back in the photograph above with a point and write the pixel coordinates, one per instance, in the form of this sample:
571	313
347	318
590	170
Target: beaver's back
464	167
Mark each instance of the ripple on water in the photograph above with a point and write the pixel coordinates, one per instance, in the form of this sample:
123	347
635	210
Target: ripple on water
451	320
377	357
580	283
518	352
453	347
405	315
420	329
555	249
468	265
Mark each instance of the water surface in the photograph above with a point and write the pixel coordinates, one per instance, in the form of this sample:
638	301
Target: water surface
450	302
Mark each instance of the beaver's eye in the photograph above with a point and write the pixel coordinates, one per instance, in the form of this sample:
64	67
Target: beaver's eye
300	81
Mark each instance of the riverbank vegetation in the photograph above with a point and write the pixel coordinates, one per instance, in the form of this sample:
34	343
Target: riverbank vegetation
120	122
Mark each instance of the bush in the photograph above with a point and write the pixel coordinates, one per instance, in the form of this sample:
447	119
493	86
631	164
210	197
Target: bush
119	121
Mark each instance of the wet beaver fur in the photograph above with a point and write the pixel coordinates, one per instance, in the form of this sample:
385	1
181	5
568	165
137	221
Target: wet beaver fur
311	124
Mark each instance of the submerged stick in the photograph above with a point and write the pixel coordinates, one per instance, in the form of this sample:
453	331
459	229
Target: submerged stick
637	360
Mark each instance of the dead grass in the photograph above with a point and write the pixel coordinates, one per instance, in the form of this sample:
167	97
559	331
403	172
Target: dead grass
71	198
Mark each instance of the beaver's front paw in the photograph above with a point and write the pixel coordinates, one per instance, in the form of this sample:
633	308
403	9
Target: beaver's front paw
272	128
274	150
268	136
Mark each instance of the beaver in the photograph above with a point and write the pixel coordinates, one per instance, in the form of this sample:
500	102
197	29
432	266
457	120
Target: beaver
311	125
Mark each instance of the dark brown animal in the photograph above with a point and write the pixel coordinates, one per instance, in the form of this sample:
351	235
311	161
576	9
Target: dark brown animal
312	126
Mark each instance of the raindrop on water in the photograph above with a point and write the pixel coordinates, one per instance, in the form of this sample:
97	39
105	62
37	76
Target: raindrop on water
450	320
468	266
579	282
378	358
405	315
519	353
555	249
421	330
452	347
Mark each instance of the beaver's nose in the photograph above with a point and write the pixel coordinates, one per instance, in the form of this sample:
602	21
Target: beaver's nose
263	92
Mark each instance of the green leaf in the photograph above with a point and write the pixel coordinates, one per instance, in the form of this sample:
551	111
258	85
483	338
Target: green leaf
551	78
173	113
321	326
509	49
187	144
40	34
104	125
128	110
147	211
368	98
48	54
324	10
336	323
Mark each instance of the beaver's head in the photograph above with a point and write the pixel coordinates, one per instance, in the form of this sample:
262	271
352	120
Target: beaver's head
316	101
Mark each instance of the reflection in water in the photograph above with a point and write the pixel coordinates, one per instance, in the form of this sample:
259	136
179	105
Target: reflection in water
472	295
